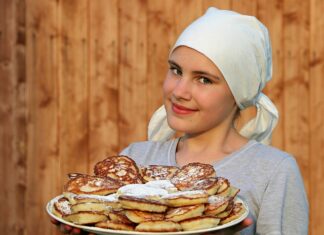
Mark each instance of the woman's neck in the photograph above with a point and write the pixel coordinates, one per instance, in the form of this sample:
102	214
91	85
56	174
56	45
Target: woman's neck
209	147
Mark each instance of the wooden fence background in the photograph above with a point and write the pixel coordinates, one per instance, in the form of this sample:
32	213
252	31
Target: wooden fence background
79	80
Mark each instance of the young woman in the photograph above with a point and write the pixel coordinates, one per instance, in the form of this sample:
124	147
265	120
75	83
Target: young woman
219	66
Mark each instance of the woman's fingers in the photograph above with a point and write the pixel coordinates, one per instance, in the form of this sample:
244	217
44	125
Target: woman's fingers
55	222
247	222
244	224
75	231
67	229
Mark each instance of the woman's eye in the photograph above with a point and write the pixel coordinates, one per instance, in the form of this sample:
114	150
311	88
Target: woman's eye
175	71
205	80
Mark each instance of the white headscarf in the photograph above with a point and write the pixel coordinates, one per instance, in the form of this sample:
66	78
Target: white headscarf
239	46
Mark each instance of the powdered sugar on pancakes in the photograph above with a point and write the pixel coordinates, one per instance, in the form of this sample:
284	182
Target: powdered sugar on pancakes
215	199
189	194
141	191
193	172
109	198
157	172
162	184
63	206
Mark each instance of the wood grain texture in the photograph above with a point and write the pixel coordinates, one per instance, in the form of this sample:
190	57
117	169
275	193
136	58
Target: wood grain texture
221	4
248	7
103	80
43	162
296	83
80	80
7	117
132	71
185	12
316	122
73	85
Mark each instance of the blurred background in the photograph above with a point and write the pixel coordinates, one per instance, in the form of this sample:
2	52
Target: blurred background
79	80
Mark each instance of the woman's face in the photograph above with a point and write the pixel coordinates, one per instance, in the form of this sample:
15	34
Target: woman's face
196	95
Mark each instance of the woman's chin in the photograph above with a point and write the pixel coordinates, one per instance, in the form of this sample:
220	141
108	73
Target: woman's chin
180	127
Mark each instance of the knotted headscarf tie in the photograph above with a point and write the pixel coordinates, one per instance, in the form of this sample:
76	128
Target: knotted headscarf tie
239	46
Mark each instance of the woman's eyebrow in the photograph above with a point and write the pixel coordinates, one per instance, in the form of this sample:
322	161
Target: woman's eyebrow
171	62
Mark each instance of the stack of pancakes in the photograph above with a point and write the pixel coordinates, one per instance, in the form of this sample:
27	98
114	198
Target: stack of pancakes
123	196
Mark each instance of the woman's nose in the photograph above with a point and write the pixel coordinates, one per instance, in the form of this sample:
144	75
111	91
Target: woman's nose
182	90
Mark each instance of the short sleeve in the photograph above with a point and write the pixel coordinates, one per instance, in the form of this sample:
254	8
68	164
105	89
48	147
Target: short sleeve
125	151
284	207
134	152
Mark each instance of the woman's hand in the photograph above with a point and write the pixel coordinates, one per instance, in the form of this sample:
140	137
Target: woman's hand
67	229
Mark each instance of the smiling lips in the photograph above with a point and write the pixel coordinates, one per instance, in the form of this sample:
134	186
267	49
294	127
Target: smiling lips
179	109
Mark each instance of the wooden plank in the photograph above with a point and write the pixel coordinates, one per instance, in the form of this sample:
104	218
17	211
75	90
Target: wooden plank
186	11
270	14
43	175
296	83
20	121
221	4
73	86
103	95
248	7
132	71
7	115
161	37
316	121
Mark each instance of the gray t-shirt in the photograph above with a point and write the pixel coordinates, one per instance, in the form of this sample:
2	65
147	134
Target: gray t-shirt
269	181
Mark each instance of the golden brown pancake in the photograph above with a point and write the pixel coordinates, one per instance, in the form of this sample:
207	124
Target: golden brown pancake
119	217
61	207
158	172
181	213
121	168
109	200
135	203
137	216
237	211
91	206
223	186
186	198
229	192
190	173
115	225
85	217
158	226
217	204
210	185
227	211
86	184
201	222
